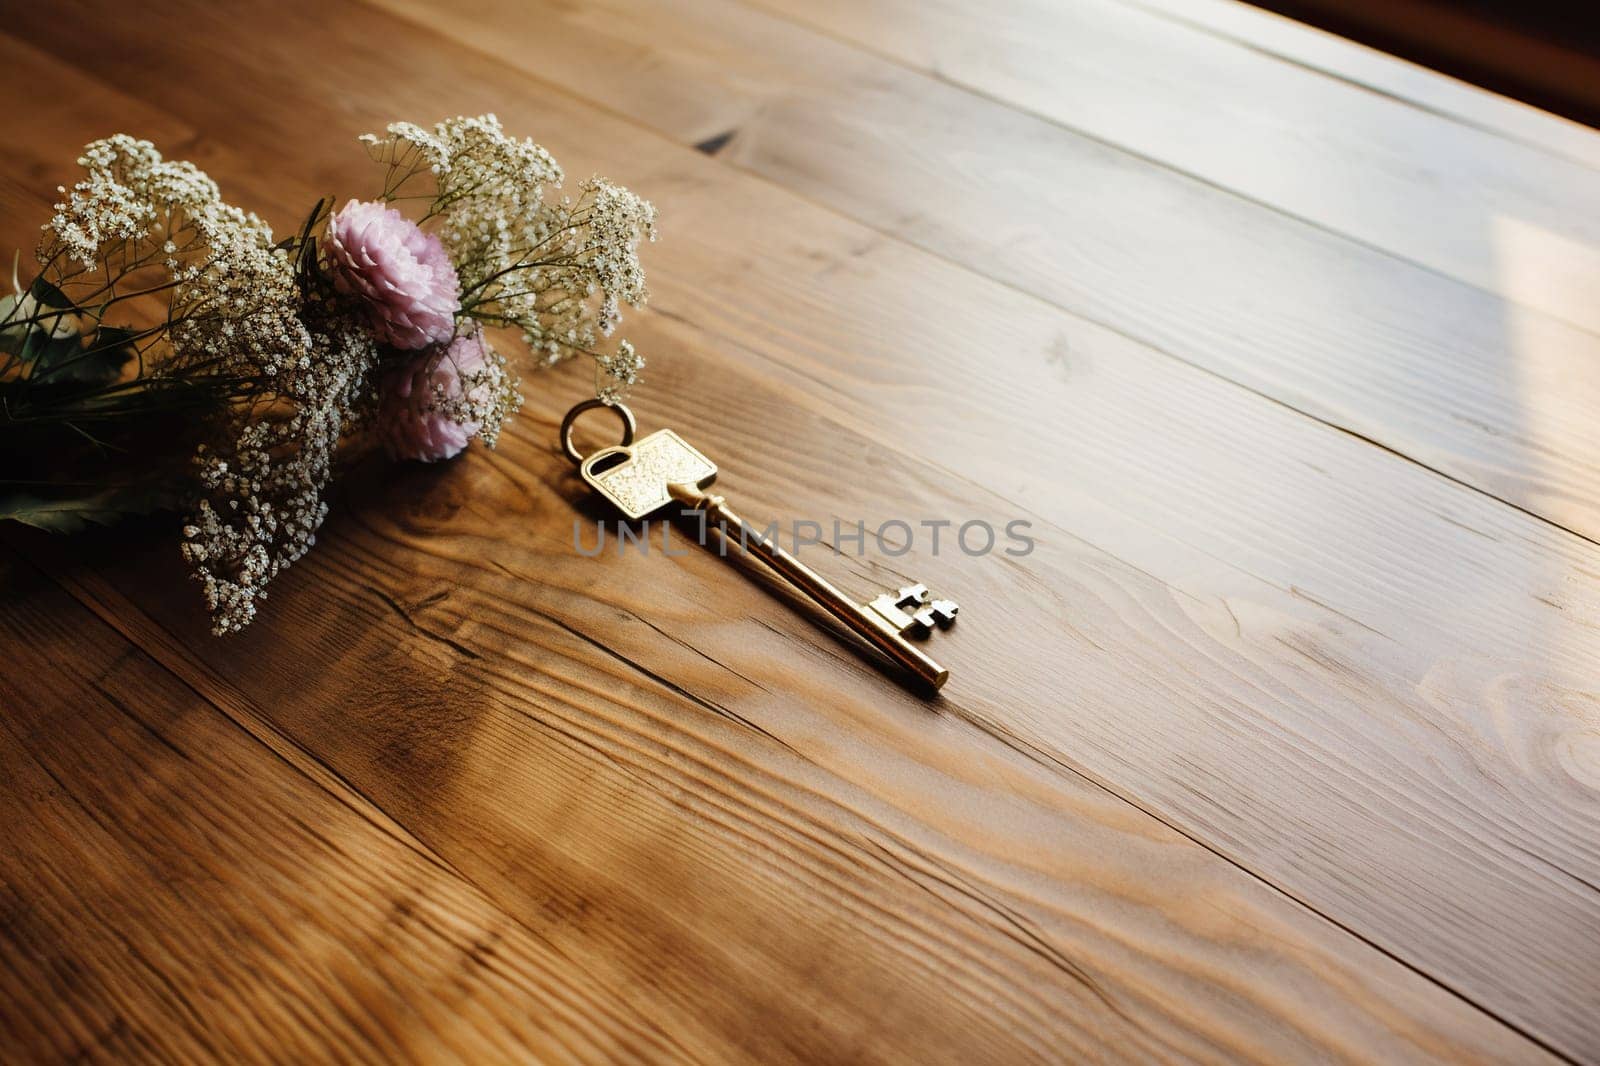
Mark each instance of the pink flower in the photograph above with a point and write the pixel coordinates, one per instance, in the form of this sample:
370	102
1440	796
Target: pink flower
430	406
410	287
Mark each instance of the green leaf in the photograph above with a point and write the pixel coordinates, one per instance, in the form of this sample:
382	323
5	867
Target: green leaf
8	310
50	296
109	350
324	206
32	320
43	350
114	337
102	508
67	361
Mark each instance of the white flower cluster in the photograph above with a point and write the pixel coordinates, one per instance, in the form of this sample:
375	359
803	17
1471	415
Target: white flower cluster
558	270
618	372
107	208
262	500
133	209
305	372
287	379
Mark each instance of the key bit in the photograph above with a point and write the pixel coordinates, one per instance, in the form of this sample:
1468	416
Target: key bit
639	479
913	610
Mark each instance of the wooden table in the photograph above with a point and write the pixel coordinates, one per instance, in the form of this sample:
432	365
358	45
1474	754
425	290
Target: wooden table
1283	744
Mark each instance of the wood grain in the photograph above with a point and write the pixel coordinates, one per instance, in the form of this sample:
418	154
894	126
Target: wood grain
1545	58
1406	83
821	881
174	888
1503	216
1218	674
1210	496
1495	395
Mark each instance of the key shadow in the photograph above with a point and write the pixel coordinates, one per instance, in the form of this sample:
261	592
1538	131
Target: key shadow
727	547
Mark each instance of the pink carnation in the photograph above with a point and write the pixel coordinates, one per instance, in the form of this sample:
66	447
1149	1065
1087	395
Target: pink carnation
424	412
410	287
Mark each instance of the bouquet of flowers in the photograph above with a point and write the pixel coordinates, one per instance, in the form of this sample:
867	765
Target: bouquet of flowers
170	352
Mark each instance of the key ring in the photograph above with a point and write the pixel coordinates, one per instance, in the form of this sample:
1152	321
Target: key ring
629	426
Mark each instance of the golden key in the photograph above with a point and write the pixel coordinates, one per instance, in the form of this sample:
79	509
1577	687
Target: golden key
662	468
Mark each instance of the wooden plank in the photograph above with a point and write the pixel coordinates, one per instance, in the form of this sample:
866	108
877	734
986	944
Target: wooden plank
174	889
1522	52
1492	394
1383	73
501	801
852	885
1467	203
1353	767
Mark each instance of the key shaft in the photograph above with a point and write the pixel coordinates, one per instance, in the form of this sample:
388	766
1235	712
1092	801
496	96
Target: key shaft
875	630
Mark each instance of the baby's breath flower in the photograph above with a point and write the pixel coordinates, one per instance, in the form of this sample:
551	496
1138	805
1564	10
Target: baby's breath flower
291	374
557	269
616	374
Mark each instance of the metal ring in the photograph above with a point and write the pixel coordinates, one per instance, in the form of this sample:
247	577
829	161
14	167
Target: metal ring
629	426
